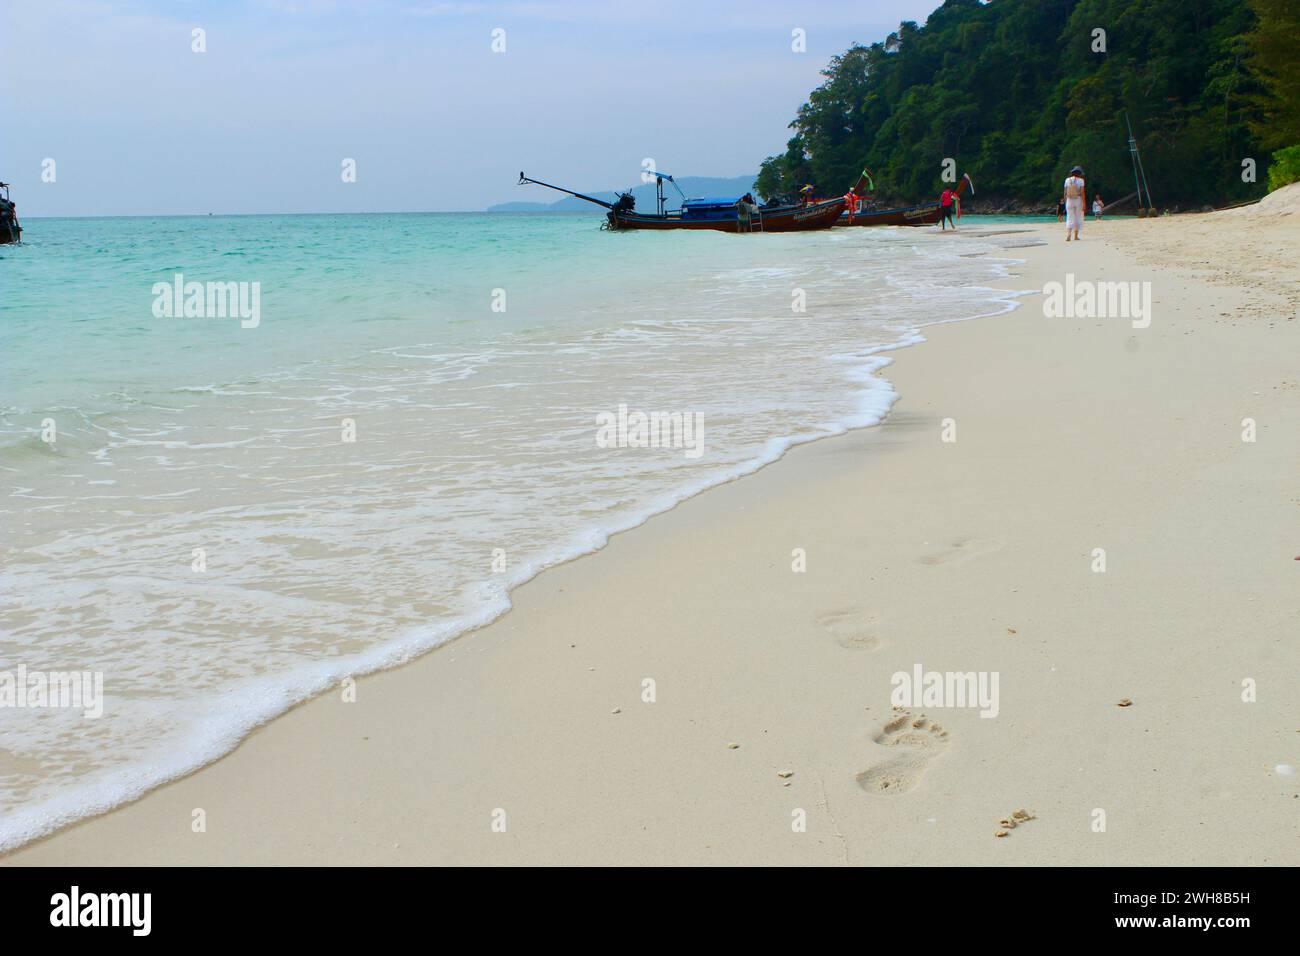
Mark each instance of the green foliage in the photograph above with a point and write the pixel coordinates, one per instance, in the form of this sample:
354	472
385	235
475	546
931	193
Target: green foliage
1275	43
1016	92
1285	168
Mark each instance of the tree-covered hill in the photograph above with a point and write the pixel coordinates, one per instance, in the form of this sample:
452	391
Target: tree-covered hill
1017	91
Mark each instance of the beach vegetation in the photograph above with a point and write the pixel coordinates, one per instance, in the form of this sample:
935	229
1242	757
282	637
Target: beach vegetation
1275	47
1018	91
1285	168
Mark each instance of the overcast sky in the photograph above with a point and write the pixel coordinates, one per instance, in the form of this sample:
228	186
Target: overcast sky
138	123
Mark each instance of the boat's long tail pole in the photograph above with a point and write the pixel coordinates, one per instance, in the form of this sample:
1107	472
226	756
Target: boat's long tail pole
523	180
1118	202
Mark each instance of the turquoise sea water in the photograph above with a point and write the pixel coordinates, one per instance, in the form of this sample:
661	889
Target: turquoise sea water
76	290
223	519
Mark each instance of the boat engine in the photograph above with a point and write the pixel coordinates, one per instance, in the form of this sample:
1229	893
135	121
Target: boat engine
625	202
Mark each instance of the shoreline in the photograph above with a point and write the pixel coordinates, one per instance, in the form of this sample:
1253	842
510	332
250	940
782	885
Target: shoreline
581	781
869	399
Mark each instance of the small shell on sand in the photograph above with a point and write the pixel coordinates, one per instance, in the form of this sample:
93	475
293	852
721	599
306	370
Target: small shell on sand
733	746
617	710
1284	770
783	774
1000	833
1008	823
1125	703
1021	814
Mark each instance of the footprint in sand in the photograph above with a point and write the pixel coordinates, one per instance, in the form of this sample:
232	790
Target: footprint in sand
852	628
915	740
963	549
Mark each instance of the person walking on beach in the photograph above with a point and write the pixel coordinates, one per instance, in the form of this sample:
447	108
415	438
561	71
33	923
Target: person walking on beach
1060	209
945	209
1075	199
1098	204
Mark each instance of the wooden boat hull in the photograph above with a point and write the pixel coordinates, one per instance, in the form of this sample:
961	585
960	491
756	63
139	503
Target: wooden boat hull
781	219
924	214
8	235
928	214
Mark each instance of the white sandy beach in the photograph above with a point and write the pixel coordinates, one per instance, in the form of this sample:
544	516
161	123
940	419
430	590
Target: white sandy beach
973	555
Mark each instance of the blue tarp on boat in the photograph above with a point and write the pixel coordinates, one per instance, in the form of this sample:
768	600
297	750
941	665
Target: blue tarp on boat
710	207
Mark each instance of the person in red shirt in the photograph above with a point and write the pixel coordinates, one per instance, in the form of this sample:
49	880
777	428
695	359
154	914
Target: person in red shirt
946	202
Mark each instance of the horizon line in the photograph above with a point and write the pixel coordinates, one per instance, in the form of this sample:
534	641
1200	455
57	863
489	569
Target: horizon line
373	212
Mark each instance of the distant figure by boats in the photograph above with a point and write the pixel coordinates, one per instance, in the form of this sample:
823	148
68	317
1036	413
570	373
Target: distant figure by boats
1098	206
931	213
10	230
946	202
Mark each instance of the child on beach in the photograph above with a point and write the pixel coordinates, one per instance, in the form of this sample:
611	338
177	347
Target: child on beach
1075	197
1098	204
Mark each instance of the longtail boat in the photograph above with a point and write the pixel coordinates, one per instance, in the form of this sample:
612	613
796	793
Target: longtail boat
10	231
925	214
718	214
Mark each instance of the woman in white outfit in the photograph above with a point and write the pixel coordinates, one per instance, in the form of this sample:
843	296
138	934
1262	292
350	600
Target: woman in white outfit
1075	203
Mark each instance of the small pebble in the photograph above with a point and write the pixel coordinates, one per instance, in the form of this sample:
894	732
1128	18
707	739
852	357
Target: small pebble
617	710
1000	833
1284	770
785	773
1126	703
733	746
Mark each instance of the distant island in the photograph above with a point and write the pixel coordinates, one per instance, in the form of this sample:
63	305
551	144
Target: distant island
692	186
